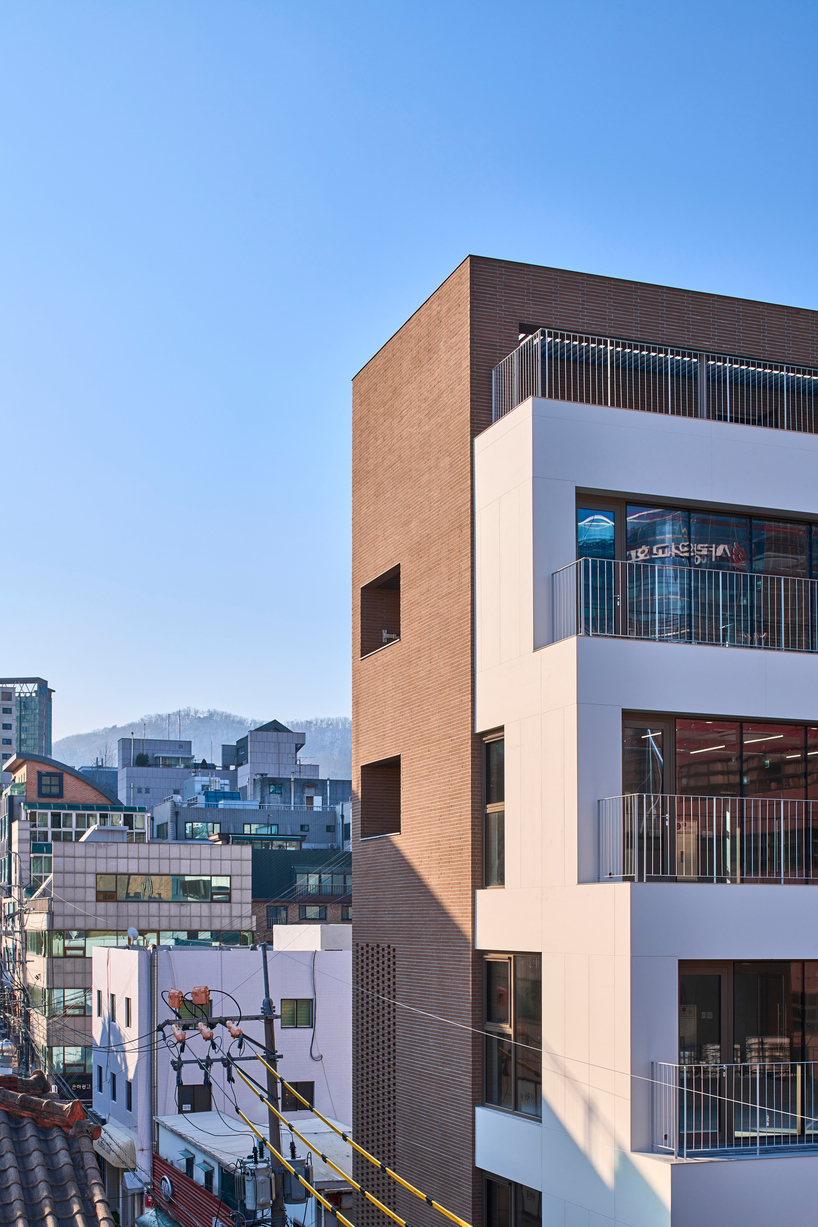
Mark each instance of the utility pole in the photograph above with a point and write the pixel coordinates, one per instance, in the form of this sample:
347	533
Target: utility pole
278	1214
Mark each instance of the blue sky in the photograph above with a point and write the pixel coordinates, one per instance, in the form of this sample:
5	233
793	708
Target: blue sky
212	214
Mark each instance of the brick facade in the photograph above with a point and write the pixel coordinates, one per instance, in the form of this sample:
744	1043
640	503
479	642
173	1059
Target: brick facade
417	405
335	913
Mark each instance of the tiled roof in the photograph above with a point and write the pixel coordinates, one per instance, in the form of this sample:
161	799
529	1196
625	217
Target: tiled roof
48	1169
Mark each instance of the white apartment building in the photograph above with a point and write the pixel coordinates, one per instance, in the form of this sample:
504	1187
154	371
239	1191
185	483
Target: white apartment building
659	813
585	763
135	1084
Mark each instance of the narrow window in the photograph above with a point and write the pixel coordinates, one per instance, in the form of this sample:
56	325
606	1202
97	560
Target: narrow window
380	611
112	1007
513	1021
129	1096
99	1079
494	825
380	798
127	1011
99	1005
113	1088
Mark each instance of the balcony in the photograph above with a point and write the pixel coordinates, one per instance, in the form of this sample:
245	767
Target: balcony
646	837
684	604
337	890
752	1108
628	374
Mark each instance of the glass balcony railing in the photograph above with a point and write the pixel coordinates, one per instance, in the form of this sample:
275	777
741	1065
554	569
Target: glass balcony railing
681	604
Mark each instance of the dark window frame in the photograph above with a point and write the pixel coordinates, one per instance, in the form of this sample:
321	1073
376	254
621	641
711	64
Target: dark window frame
508	1032
494	819
515	1218
289	1103
304	908
42	777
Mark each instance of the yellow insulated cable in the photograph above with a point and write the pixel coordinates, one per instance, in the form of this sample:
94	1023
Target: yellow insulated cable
365	1153
359	1187
292	1171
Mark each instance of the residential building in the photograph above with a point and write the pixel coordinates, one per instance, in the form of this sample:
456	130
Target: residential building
310	974
50	1170
212	813
98	889
25	708
585	529
303	887
150	769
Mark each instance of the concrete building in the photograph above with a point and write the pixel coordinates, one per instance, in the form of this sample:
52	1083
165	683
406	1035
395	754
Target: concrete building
151	769
310	976
585	536
301	887
173	894
25	708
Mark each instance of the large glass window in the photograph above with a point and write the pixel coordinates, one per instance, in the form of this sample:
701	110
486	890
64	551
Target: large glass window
643	759
513	1022
774	759
202	830
719	542
596	533
708	758
494	818
159	887
781	548
657	535
512	1205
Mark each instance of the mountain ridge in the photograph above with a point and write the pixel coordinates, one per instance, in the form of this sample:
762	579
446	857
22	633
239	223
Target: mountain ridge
328	738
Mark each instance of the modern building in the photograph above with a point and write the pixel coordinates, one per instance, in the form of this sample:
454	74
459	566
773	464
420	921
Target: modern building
585	531
150	769
302	887
213	813
25	708
96	890
310	971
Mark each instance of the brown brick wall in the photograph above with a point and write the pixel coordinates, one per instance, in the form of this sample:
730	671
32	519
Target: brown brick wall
74	791
416	407
334	917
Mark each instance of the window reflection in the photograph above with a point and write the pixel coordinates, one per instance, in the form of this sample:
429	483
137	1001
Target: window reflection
780	548
643	760
773	759
596	536
718	542
707	758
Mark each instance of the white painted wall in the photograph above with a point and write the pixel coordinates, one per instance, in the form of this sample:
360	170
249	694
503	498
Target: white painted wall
611	951
239	972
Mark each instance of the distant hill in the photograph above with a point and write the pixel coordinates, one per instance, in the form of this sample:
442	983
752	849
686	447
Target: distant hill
329	738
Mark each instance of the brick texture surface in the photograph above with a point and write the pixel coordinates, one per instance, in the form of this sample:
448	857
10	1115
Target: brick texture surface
417	406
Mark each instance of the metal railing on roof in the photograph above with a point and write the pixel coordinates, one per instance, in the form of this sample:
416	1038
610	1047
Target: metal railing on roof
624	374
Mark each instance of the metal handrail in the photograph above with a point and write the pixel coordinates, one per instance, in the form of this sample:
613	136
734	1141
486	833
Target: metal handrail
683	603
630	374
649	836
710	1107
